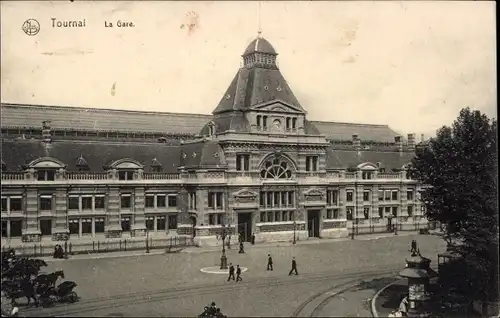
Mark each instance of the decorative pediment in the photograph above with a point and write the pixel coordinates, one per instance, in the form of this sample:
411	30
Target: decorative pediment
126	163
313	191
46	163
278	106
245	193
314	195
367	166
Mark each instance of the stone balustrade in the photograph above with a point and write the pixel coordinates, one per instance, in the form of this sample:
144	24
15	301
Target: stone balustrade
203	176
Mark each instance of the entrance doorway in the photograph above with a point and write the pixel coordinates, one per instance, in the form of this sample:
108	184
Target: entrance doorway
313	223
46	227
245	226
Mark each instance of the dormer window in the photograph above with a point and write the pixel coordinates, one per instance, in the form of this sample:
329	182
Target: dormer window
156	165
81	164
366	175
46	175
126	175
211	129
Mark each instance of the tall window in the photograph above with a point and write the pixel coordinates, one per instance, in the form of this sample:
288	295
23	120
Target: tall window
294	123
192	200
366	212
242	162
150	223
312	163
99	202
161	201
125	201
46	203
349	196
349	212
160	223
215	200
216	218
394	195
381	212
366	195
381	195
332	214
74	203
332	197
276	168
86	203
410	210
16	204
4	204
172	222
172	201
409	195
99	225
149	201
74	226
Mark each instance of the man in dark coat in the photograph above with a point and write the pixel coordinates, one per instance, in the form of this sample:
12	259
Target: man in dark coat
238	273
231	272
269	262
294	267
241	248
253	239
413	246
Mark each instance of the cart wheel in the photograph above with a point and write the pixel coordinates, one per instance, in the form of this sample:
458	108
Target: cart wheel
72	297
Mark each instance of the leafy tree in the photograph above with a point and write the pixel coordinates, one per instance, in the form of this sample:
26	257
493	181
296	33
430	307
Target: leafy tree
459	170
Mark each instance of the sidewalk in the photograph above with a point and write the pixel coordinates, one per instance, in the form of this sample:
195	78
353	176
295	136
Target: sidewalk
363	237
199	250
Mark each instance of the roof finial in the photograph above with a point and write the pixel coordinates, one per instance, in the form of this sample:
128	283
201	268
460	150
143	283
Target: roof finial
259	31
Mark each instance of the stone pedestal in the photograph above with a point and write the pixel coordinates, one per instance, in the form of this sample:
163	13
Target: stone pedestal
184	229
113	232
138	232
31	236
60	235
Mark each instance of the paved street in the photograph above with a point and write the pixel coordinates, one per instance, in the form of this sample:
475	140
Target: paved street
172	284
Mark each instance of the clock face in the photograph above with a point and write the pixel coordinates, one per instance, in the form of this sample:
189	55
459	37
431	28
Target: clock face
277	123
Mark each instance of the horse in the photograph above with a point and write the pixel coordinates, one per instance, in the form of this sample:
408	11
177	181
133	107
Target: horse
49	279
19	289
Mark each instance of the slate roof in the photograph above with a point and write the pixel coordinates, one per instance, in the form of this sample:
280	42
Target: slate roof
202	154
31	116
254	86
343	159
14	115
260	45
96	154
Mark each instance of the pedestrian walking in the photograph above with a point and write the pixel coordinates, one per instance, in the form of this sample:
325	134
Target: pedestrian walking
238	273
229	242
294	267
231	272
269	262
253	239
241	248
413	246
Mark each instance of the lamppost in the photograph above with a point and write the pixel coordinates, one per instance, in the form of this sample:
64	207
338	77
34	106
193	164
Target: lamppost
294	229
354	214
223	258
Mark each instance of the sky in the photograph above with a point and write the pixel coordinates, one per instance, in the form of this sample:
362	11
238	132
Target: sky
410	65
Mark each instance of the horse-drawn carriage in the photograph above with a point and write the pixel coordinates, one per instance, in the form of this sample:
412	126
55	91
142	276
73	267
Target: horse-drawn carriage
21	277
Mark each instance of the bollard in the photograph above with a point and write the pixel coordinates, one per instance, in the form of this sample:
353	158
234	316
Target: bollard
125	244
98	250
93	246
120	245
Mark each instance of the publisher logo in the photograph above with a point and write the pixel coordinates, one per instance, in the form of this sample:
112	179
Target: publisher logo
31	27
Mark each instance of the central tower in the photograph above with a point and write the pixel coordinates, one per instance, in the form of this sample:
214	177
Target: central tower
259	99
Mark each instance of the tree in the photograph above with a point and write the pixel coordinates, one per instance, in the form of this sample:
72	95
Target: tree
459	170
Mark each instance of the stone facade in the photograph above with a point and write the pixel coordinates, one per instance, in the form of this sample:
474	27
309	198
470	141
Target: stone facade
258	167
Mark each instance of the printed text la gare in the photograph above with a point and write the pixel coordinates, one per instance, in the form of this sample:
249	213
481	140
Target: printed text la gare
119	24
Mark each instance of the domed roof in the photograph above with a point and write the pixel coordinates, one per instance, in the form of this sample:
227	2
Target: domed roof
260	45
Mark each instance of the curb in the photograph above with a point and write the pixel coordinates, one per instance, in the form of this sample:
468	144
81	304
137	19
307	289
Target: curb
374	299
217	270
103	256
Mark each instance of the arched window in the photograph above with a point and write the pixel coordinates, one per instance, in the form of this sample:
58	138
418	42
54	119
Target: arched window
276	168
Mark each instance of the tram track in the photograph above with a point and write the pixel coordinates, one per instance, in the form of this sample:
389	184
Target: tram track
110	302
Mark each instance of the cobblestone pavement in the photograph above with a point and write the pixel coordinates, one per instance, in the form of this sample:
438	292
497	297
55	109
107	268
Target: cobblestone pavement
173	285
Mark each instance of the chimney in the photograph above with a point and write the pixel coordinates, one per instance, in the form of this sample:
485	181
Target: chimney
411	142
399	143
46	132
356	141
